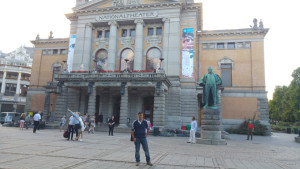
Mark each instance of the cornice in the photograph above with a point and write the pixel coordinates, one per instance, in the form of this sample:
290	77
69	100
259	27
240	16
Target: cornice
50	41
233	32
124	8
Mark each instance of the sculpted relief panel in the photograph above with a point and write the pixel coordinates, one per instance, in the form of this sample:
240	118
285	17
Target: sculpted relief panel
126	2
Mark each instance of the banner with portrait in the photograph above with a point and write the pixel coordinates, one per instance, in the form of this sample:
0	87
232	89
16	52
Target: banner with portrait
71	52
187	52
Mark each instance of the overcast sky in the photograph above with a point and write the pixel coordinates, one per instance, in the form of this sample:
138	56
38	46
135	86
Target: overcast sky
22	20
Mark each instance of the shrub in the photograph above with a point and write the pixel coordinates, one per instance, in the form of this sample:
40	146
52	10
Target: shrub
259	129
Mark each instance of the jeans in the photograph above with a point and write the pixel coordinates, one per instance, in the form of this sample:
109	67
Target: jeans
250	133
71	131
111	130
76	129
36	125
144	143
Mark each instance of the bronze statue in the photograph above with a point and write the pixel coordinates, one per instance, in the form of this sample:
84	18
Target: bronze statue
210	82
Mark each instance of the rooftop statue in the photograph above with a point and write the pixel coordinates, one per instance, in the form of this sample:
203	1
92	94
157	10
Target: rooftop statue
254	23
210	82
261	25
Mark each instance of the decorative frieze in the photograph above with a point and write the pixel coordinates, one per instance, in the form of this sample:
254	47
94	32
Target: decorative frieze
127	41
153	40
234	45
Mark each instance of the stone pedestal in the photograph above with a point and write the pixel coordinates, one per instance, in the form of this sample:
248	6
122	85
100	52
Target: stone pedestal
297	139
211	128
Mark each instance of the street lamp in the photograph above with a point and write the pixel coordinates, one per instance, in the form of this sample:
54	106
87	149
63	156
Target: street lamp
65	70
126	70
161	60
95	64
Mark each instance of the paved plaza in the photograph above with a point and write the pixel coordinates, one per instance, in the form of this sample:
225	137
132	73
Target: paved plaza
48	149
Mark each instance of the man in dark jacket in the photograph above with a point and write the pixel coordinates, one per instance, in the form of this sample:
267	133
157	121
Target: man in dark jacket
139	135
111	125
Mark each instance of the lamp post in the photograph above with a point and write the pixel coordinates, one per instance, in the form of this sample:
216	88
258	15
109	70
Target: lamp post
65	70
161	60
126	70
95	65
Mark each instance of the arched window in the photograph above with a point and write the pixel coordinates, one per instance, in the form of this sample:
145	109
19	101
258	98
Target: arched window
127	54
153	59
101	57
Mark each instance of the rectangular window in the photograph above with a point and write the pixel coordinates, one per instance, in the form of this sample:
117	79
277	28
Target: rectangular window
132	32
220	45
107	34
231	45
99	35
150	31
158	31
55	51
49	52
63	51
226	74
44	52
124	32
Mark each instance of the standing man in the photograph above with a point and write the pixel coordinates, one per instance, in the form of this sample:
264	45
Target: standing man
36	118
111	125
250	130
71	127
193	131
139	135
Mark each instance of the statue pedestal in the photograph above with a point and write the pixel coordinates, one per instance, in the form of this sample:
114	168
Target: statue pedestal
211	128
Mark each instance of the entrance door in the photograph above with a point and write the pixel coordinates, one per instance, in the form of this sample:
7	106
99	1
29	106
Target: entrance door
148	109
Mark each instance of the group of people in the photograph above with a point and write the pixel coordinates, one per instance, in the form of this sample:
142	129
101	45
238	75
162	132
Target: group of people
25	119
78	124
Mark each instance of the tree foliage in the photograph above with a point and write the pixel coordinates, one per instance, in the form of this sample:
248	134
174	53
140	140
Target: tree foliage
285	105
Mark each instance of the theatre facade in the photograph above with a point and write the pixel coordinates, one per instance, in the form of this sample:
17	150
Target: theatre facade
128	56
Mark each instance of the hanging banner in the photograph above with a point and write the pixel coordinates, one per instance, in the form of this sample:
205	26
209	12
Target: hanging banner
187	52
71	52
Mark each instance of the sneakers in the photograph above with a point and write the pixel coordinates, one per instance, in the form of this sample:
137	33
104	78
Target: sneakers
137	163
149	163
80	140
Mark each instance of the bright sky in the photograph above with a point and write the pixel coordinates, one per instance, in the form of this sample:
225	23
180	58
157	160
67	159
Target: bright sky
22	20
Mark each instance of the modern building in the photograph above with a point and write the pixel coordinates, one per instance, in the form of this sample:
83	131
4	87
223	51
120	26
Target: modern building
15	71
129	56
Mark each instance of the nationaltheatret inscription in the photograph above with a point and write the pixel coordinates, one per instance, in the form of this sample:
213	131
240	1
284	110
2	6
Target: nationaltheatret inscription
131	15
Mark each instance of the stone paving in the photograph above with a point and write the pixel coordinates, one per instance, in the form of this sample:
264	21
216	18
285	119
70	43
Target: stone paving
48	149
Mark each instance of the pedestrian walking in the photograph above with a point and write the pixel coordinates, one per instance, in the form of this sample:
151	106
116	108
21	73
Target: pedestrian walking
111	125
250	130
71	126
92	124
36	121
62	123
88	123
22	121
27	121
193	131
139	136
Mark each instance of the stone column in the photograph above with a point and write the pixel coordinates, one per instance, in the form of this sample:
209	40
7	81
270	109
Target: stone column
18	83
124	108
139	44
166	42
112	49
92	101
3	83
159	108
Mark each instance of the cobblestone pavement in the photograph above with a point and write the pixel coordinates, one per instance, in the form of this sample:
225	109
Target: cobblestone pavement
48	149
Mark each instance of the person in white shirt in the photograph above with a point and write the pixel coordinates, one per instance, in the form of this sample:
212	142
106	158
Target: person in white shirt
193	131
36	119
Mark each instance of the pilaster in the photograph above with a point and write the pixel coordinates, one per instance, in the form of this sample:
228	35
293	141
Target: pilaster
18	83
173	62
112	49
159	109
139	44
124	107
3	83
92	100
166	42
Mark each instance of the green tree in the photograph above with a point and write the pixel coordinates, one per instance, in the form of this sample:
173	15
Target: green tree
276	104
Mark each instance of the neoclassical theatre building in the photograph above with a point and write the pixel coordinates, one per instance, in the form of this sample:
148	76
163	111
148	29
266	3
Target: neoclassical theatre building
128	56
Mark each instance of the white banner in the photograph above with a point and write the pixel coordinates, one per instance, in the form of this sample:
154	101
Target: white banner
71	52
